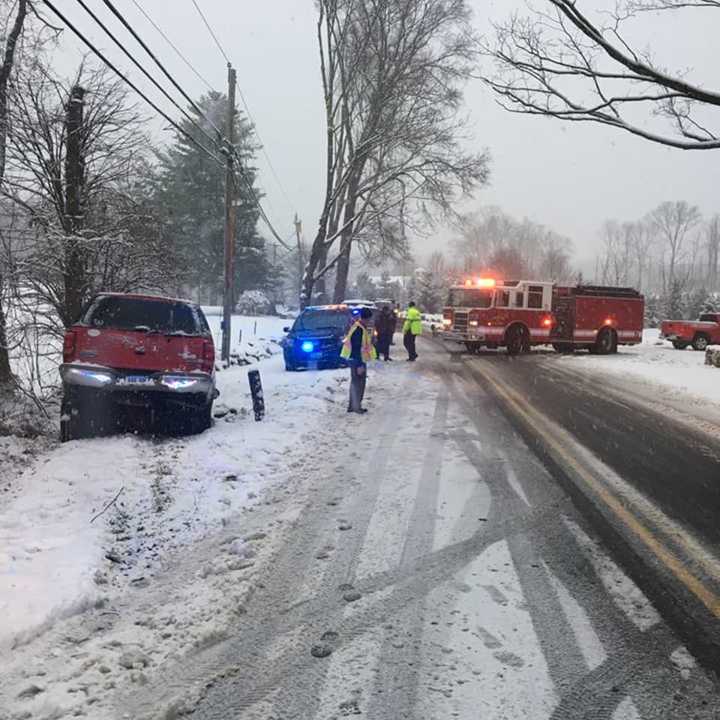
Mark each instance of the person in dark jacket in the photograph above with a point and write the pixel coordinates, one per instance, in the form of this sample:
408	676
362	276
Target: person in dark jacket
358	351
385	326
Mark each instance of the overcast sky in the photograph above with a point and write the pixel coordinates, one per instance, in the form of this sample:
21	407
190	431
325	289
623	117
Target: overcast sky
569	177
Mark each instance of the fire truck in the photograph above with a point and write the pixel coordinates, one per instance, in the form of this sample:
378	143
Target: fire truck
486	312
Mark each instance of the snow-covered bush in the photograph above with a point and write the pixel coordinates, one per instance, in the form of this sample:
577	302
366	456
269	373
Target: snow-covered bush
254	302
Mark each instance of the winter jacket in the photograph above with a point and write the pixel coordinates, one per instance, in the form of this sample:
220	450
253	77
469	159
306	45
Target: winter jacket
385	323
413	322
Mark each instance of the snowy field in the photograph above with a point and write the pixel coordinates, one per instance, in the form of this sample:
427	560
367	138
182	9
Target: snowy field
679	375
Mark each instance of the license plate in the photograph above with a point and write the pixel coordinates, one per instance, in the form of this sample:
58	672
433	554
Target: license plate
136	380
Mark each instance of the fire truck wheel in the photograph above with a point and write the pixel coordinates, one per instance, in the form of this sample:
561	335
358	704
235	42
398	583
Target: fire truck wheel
517	340
700	342
606	342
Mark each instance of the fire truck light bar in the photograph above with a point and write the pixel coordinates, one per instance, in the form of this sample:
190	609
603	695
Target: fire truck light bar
481	282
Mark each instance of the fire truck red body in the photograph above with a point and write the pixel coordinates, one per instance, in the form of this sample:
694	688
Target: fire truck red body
519	314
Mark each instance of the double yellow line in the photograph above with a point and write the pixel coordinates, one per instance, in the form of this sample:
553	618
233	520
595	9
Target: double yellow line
536	423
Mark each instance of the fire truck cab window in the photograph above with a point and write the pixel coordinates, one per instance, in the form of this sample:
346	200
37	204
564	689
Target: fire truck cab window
470	298
519	300
502	299
535	297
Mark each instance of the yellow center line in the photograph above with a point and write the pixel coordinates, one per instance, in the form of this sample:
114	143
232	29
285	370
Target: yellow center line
674	564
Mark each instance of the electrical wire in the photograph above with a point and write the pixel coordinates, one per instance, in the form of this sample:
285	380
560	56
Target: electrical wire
144	71
246	106
290	203
212	34
260	208
144	46
129	82
173	46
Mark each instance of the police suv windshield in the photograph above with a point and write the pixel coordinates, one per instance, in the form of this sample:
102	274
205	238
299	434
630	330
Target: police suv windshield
470	297
322	320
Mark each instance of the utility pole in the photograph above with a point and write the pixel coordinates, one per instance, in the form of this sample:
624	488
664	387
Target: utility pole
301	258
74	270
229	293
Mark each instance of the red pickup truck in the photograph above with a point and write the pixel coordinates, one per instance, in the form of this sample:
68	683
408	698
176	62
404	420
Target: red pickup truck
699	333
137	354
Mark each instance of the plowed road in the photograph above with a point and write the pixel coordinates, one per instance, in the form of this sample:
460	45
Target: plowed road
496	539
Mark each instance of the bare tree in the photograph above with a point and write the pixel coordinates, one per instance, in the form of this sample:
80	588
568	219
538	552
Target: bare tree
492	240
672	221
713	250
116	241
573	61
8	62
392	72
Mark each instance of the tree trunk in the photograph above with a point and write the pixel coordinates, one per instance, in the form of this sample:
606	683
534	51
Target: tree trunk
5	70
318	256
5	371
74	274
342	271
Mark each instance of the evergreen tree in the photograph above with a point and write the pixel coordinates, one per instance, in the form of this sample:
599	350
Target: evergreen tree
653	311
675	302
697	303
191	192
428	293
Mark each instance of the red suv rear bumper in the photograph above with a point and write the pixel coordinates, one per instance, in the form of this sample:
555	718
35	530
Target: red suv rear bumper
97	377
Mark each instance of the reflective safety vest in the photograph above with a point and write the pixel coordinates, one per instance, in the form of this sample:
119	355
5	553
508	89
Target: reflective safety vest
413	322
368	349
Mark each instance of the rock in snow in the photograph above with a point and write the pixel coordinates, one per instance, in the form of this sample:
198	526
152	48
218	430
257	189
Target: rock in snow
133	659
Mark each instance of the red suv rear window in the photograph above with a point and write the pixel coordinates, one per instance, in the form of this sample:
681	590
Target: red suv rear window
123	313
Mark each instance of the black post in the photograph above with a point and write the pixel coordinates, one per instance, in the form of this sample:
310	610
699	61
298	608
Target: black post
257	394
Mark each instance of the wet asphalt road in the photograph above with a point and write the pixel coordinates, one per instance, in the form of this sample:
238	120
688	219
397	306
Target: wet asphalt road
676	466
450	574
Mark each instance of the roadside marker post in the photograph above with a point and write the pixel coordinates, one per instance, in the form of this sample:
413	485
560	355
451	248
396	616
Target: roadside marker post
257	394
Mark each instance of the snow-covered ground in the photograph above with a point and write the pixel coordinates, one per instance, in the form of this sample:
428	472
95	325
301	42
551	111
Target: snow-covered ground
88	521
679	375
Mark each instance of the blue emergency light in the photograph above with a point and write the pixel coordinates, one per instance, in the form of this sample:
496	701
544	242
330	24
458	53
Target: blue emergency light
307	346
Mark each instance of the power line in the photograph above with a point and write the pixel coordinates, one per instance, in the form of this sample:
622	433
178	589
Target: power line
210	30
256	200
129	28
261	209
173	46
129	82
247	109
143	70
264	151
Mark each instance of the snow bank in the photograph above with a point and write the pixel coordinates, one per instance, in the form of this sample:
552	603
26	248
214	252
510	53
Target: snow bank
675	374
55	559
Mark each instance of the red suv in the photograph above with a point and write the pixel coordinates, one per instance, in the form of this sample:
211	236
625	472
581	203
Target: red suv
128	352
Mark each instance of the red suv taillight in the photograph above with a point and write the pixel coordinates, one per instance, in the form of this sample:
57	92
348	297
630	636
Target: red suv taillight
208	356
69	343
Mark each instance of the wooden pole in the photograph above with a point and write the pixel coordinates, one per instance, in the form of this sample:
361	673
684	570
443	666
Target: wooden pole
228	295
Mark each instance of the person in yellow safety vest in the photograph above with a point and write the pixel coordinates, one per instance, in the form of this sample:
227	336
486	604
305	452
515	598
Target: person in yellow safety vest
411	329
358	350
